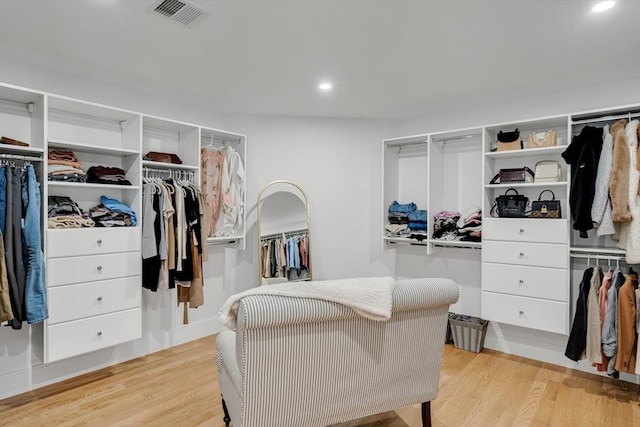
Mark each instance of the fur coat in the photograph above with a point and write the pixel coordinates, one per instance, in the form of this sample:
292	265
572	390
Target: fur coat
619	183
633	236
583	155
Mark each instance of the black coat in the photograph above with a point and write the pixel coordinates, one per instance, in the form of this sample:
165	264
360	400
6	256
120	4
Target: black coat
577	343
583	154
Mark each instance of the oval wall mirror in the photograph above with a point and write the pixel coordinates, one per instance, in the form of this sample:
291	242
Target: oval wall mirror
283	233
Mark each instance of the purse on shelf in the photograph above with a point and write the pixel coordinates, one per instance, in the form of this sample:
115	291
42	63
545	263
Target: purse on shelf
547	138
156	156
511	205
548	171
546	208
507	141
514	175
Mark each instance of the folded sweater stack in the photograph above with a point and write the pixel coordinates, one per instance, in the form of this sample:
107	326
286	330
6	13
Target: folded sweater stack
63	166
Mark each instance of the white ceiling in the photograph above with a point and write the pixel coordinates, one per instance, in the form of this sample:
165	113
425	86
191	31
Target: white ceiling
386	59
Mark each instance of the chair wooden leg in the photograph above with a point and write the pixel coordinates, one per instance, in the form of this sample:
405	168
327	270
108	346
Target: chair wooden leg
426	414
226	418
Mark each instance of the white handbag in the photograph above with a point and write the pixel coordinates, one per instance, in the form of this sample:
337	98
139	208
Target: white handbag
547	171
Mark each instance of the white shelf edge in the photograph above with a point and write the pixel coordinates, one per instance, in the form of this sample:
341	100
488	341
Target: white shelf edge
59	143
92	186
527	184
406	241
526	152
16	149
223	240
162	165
456	243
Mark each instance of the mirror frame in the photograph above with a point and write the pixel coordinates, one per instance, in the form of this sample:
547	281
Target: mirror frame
259	226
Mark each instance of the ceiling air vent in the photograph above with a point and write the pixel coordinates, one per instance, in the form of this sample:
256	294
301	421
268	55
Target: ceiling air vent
181	11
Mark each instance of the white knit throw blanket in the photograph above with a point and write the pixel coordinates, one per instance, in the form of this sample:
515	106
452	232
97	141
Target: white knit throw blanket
370	297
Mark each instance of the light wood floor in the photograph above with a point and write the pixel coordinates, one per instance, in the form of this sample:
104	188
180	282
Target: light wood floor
178	387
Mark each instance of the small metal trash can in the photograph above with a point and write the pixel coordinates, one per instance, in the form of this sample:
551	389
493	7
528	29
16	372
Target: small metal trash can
468	332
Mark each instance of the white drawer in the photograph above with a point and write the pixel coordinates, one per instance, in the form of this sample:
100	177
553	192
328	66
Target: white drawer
92	241
85	335
536	282
531	254
544	315
81	269
73	302
526	230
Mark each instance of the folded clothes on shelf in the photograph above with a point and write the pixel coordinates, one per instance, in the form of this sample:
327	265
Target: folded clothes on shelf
107	175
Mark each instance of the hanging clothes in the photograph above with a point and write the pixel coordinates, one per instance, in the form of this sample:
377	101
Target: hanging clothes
594	328
601	213
222	188
632	246
610	326
602	303
577	342
23	294
627	339
583	155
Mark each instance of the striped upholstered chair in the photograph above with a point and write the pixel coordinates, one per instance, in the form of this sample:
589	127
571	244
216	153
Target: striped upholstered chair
301	362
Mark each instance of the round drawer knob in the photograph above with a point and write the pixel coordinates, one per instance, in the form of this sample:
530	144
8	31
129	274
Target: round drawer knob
522	230
521	253
99	241
99	298
520	312
99	268
99	333
521	281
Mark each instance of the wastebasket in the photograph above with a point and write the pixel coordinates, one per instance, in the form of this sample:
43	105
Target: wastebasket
449	336
468	332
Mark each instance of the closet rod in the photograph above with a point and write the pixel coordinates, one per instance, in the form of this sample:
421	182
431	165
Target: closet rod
286	233
212	138
457	138
405	144
20	157
606	118
599	257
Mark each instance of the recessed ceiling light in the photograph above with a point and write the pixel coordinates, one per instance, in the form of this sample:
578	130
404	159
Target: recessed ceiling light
325	86
602	6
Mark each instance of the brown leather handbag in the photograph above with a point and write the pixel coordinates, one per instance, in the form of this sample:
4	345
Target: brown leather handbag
157	156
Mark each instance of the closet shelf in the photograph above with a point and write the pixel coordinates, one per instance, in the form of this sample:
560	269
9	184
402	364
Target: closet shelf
92	186
14	149
162	165
223	240
456	244
528	185
527	152
406	241
86	148
602	251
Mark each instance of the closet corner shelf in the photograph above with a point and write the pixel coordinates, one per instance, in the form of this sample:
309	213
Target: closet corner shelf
25	151
86	148
527	152
527	185
91	186
162	165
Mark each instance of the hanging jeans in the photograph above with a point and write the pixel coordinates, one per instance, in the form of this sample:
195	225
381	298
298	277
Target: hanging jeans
13	245
35	290
3	197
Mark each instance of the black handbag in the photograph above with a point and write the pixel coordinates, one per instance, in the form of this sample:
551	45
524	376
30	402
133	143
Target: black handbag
511	205
546	208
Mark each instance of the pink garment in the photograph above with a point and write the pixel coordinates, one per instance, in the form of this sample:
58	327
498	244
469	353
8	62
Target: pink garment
211	161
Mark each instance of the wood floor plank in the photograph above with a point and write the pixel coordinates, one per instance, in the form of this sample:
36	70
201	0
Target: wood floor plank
179	387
